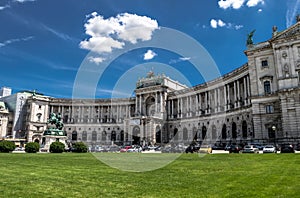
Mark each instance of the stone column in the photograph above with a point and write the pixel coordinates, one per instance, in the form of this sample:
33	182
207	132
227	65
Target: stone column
161	102
216	100
181	107
234	94
200	102
140	108
219	99
136	104
206	102
225	98
245	90
156	102
248	90
238	93
196	108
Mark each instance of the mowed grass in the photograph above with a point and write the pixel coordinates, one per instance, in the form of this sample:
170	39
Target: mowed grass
82	175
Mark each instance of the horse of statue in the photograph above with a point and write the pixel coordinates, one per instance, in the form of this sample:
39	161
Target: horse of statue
56	119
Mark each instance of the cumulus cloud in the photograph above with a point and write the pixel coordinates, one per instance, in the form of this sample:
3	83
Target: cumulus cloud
96	60
10	41
149	55
259	10
114	32
252	3
237	4
4	7
215	23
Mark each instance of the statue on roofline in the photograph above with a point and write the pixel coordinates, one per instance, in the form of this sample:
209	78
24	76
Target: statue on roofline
249	39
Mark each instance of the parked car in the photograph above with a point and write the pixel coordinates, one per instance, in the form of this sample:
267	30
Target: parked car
217	147
234	148
287	148
297	147
227	147
114	149
250	149
269	149
257	145
134	149
125	149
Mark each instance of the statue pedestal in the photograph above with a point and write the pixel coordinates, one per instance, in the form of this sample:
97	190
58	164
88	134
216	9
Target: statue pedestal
53	135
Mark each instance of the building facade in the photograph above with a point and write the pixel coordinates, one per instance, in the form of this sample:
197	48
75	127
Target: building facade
259	101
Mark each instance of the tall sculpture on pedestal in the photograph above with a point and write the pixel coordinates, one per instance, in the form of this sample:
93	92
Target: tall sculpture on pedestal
54	131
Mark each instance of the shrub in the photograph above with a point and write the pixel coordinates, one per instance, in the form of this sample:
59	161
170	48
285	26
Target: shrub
80	147
7	146
57	147
32	147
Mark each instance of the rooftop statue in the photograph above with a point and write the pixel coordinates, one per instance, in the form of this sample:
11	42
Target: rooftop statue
249	39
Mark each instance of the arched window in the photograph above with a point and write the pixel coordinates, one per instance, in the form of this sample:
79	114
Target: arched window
84	136
122	136
233	130
158	135
94	136
267	87
39	115
195	135
74	135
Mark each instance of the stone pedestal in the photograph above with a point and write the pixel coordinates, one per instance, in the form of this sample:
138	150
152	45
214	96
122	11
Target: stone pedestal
53	135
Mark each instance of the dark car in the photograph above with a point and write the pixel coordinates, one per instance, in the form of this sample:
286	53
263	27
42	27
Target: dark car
192	148
287	148
235	149
217	147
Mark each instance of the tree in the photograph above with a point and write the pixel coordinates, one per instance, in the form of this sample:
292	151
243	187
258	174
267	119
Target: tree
7	146
80	147
57	147
32	147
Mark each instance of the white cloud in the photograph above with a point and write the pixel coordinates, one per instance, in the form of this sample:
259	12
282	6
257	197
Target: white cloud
252	3
221	23
181	59
58	34
213	23
114	32
149	55
259	10
4	7
96	60
236	4
10	41
23	1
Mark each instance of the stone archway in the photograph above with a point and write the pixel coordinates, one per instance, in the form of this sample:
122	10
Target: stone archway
233	130
150	106
158	135
136	135
224	132
244	129
204	130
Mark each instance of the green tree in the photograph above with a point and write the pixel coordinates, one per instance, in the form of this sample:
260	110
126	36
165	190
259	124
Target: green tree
7	146
80	147
32	147
57	147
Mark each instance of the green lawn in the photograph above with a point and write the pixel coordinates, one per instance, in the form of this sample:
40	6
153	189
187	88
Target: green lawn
82	175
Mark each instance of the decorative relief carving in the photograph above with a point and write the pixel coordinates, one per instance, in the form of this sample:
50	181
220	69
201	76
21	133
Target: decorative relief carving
284	54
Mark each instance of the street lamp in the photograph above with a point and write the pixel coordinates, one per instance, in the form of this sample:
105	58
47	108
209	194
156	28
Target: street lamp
274	130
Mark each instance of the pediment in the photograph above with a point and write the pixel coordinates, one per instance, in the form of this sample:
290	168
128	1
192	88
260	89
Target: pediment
288	33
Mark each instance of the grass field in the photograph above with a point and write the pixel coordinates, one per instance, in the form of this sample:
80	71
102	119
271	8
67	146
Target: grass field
82	175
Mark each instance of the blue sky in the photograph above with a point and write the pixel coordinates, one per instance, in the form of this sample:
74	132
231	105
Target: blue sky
43	43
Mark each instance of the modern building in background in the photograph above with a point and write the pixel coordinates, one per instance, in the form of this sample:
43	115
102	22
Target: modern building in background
259	101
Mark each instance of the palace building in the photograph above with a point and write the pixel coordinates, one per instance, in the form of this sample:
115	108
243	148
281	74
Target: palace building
257	102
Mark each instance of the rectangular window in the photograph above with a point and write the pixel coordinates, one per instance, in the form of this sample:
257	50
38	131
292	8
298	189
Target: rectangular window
264	63
269	109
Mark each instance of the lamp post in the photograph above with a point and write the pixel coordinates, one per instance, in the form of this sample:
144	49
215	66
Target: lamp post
274	130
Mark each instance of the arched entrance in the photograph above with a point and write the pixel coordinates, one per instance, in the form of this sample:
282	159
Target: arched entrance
204	130
185	135
136	135
175	134
113	136
74	135
233	130
224	132
214	133
244	129
150	106
195	135
158	135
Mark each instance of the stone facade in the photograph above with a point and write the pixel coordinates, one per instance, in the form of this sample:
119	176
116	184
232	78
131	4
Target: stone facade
259	101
